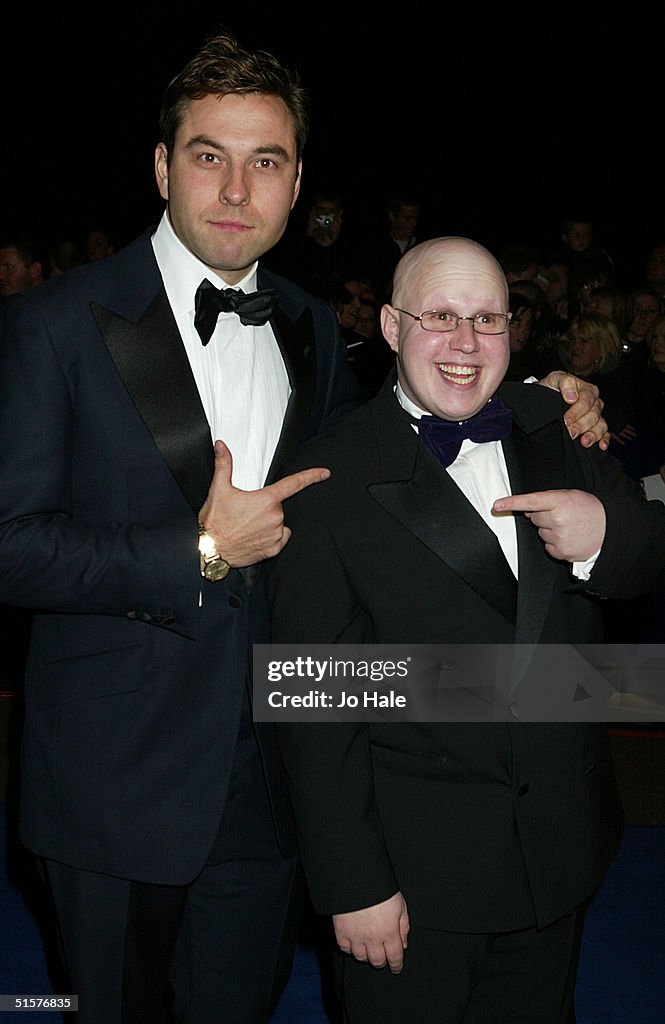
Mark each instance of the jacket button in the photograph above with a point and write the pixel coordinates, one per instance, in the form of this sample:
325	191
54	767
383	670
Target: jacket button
235	601
524	788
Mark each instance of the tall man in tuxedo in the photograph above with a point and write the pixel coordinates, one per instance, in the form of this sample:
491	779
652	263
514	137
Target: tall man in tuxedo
477	843
158	811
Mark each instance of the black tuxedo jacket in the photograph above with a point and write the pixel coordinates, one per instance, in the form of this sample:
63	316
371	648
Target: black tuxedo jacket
483	826
136	668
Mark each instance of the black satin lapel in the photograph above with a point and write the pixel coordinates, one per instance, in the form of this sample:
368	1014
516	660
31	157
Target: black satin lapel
531	467
433	508
152	362
296	343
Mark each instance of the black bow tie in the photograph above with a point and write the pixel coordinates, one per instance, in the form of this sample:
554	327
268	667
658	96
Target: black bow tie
254	309
444	437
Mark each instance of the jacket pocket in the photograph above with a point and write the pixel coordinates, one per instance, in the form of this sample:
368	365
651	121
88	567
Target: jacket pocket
119	668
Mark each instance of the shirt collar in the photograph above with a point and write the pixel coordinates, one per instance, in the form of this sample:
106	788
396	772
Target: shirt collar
182	271
407	404
413	410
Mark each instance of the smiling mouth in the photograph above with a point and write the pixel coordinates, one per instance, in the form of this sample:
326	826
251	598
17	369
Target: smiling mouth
463	375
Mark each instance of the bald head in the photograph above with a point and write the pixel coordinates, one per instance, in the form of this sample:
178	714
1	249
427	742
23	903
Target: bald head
444	260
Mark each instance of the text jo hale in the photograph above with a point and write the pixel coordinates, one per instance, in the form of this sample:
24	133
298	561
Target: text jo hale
320	699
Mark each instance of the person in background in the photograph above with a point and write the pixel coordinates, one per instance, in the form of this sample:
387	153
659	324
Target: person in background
325	217
380	251
368	356
591	349
100	242
579	245
367	319
646	308
148	401
345	300
64	253
456	859
403	218
556	288
546	326
654	269
21	266
640	447
347	291
521	261
316	256
524	357
583	280
613	301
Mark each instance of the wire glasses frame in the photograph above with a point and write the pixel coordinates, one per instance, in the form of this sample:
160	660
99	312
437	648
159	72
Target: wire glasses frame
443	321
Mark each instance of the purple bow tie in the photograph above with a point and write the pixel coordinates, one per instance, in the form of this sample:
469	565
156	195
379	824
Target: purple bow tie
253	308
444	437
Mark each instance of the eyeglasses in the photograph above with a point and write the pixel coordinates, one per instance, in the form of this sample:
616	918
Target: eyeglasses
442	321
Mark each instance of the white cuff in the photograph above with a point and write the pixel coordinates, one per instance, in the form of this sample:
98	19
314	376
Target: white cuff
583	569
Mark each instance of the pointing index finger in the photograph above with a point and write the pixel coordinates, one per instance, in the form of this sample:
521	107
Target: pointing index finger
290	485
534	501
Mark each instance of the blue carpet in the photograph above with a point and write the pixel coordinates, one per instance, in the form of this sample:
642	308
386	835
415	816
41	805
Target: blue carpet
622	973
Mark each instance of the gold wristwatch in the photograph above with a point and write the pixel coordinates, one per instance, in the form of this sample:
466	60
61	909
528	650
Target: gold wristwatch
213	566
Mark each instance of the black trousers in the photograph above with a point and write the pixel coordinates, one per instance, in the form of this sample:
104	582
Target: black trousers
521	977
211	952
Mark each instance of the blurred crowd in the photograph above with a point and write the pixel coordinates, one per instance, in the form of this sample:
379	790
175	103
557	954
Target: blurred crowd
574	304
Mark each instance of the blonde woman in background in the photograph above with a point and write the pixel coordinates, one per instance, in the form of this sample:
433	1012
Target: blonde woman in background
591	349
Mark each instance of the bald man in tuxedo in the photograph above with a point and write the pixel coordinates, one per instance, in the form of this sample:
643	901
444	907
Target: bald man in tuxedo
456	859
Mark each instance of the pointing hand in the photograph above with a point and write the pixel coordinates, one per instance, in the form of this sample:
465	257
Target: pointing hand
248	526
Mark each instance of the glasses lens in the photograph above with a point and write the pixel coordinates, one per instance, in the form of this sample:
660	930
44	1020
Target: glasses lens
439	320
490	323
442	320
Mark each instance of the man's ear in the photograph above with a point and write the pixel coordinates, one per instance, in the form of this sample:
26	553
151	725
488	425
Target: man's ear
296	184
162	170
390	326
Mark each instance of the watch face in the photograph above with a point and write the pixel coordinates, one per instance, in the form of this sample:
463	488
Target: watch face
217	570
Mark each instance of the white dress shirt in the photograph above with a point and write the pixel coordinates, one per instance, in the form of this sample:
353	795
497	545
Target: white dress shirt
240	373
481	474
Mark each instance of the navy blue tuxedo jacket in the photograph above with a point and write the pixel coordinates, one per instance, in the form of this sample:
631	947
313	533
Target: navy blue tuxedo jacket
134	684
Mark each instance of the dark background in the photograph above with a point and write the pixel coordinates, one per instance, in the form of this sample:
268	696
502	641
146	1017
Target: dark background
503	121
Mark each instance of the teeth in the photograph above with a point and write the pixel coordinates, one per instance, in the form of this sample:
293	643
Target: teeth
460	374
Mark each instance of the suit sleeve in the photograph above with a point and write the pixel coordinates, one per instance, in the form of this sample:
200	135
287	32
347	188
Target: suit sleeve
337	382
632	557
328	764
55	556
